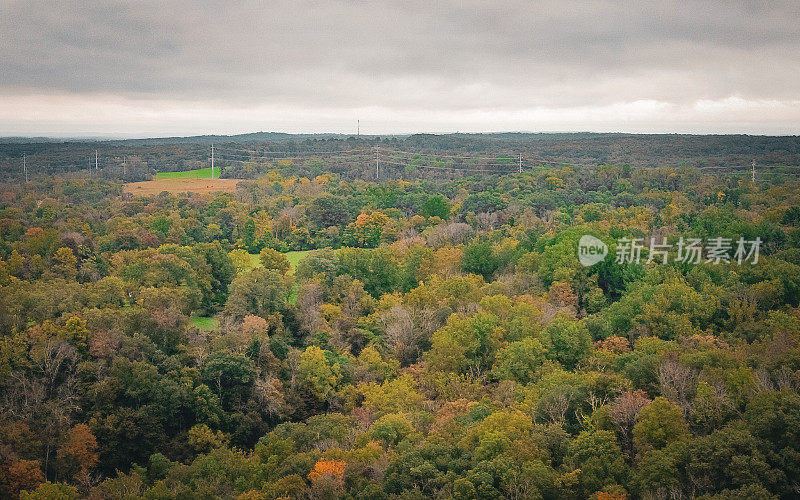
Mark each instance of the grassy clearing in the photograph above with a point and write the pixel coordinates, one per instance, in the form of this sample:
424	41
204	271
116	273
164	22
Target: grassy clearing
205	323
202	173
292	299
294	258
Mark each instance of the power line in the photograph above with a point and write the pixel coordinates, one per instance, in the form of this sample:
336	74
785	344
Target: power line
297	152
450	168
249	157
509	156
509	163
744	167
457	156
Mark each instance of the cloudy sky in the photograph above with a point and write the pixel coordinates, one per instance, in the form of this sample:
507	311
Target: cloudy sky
158	68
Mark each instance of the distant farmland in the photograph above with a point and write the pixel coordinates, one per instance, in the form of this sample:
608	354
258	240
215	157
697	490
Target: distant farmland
202	173
181	185
194	181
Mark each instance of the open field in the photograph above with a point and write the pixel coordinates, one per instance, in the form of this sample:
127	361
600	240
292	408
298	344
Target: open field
294	257
205	323
202	173
174	186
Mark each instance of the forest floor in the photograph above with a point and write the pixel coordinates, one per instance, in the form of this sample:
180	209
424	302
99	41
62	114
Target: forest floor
175	186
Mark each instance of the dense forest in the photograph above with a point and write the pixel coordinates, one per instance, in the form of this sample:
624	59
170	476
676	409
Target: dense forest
319	335
419	156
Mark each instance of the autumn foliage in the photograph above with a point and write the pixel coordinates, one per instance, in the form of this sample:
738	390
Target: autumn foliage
432	338
329	468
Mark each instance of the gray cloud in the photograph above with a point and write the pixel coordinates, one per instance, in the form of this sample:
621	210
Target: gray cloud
413	56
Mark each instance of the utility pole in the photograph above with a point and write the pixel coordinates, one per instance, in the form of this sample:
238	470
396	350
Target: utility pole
25	166
376	163
753	170
520	163
212	162
95	159
124	164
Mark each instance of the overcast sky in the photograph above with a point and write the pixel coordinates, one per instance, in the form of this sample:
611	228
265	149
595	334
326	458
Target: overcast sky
160	68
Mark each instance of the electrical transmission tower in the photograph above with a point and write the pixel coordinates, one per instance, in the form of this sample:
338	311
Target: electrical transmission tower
377	163
753	170
95	159
25	166
212	162
520	163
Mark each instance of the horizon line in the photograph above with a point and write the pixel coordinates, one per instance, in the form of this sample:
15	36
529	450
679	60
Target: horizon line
124	137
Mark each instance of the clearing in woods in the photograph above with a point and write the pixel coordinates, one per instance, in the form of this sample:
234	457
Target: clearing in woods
190	181
200	173
294	257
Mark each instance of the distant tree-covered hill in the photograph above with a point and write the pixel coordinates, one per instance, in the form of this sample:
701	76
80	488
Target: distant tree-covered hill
409	157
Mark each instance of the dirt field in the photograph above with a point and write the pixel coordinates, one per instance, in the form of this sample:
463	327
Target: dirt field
149	188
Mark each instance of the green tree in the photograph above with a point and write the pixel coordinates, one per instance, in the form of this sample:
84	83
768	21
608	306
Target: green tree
65	264
729	458
464	345
479	259
51	491
659	424
599	458
376	269
273	259
229	375
391	428
395	396
329	210
520	361
567	341
261	292
317	374
241	260
483	202
435	206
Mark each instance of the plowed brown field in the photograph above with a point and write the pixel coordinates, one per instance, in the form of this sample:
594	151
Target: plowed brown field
149	188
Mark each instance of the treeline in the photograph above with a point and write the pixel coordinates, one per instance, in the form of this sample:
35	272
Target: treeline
143	157
437	339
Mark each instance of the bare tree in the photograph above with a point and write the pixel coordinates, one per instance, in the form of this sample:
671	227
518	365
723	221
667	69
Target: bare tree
309	300
401	336
44	396
449	234
623	412
677	383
